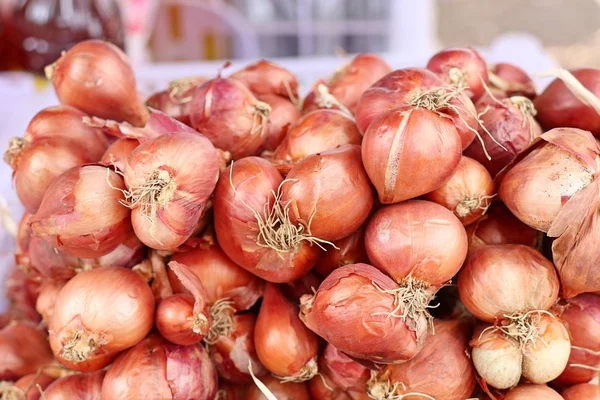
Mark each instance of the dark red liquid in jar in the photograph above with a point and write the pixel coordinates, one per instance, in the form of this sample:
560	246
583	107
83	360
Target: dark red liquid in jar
35	32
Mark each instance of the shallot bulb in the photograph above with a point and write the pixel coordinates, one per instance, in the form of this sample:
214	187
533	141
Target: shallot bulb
349	250
512	128
286	347
511	80
266	77
408	152
96	77
157	369
227	113
24	350
22	292
253	226
529	392
496	282
184	319
583	391
341	371
542	179
344	88
169	180
501	356
558	106
356	309
283	114
281	391
442	369
118	152
86	331
81	212
464	68
29	387
176	100
315	132
46	300
418	88
420	245
581	316
467	193
233	349
76	387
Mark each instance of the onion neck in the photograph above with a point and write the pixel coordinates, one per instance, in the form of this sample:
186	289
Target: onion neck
200	324
223	324
457	78
13	153
469	204
8	391
80	346
155	193
520	327
306	373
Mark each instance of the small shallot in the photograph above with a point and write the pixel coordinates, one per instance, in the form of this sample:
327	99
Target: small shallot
24	350
76	387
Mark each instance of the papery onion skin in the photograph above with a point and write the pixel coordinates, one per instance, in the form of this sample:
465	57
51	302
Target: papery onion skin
509	124
228	114
349	250
96	77
243	190
442	369
281	391
343	372
512	80
409	152
24	348
467	193
46	300
461	67
500	226
190	164
417	238
32	175
350	82
561	163
582	391
581	316
545	358
266	77
76	387
221	277
283	114
497	281
348	299
29	387
315	132
530	391
330	193
118	152
558	107
175	372
283	344
81	214
87	305
232	353
497	359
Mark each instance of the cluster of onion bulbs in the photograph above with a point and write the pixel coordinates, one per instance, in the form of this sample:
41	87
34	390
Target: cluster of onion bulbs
392	234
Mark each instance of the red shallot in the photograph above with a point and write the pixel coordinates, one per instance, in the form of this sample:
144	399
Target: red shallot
511	80
176	100
118	152
24	350
46	300
29	387
266	77
349	250
583	391
281	391
283	114
76	387
530	392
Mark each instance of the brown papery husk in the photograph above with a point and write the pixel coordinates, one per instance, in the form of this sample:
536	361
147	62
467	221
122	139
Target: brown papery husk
558	107
118	152
349	250
348	83
175	101
232	352
497	281
97	78
355	309
581	316
500	226
421	88
178	372
283	114
511	123
81	214
537	184
29	387
576	228
230	116
285	347
316	132
329	193
86	386
409	152
468	193
462	67
582	391
281	391
512	80
169	181
526	391
246	195
220	276
442	369
266	77
24	348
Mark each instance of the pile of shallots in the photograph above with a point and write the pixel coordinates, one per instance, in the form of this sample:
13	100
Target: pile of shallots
419	233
